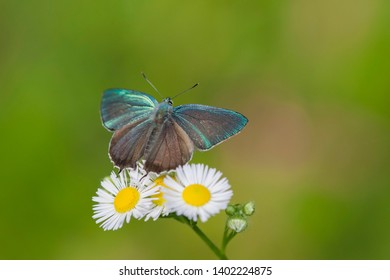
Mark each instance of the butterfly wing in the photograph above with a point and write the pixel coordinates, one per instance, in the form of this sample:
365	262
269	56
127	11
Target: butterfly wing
169	146
128	144
208	126
121	107
128	113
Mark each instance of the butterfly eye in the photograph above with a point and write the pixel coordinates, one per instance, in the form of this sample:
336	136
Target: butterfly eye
169	101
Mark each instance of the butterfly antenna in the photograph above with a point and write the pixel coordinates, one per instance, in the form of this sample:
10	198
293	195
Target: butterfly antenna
150	83
185	90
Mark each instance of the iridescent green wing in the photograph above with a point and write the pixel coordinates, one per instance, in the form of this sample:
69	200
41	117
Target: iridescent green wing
208	126
122	107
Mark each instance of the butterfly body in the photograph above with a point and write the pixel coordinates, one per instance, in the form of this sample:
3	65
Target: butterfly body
163	111
163	135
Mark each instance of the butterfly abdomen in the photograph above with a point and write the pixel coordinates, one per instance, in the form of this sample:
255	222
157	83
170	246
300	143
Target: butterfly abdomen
161	114
151	140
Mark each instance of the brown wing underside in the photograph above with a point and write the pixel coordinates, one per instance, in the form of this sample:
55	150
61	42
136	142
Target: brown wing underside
163	147
170	147
127	145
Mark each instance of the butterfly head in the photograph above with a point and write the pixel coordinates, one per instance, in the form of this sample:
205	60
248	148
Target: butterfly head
168	100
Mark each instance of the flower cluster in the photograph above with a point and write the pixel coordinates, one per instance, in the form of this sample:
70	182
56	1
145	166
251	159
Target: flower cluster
193	190
238	215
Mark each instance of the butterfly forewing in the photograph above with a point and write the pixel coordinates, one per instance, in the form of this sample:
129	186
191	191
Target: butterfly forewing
121	107
207	126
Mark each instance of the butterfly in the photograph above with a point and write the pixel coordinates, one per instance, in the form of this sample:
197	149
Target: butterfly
164	136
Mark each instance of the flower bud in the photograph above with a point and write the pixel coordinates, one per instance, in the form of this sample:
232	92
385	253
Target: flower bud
249	208
230	210
237	224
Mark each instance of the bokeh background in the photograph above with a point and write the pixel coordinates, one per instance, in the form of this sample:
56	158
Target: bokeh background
311	76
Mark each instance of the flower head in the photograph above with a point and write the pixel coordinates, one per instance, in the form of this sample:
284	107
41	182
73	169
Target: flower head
159	201
121	197
197	192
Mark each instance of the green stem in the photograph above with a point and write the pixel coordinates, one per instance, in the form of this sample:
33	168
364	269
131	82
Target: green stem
211	245
227	236
220	254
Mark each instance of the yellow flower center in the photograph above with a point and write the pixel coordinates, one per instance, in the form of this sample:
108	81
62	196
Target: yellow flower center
159	182
126	199
196	195
158	199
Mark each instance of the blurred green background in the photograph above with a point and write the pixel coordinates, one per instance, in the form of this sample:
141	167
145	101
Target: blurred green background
311	76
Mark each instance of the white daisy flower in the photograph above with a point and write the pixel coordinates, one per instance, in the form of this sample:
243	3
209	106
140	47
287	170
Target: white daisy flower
197	192
160	208
123	196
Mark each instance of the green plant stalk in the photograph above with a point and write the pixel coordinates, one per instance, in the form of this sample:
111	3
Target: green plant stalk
227	236
219	253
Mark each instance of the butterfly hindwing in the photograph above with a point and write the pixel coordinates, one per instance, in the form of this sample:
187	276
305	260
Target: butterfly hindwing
170	146
121	107
207	126
128	144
